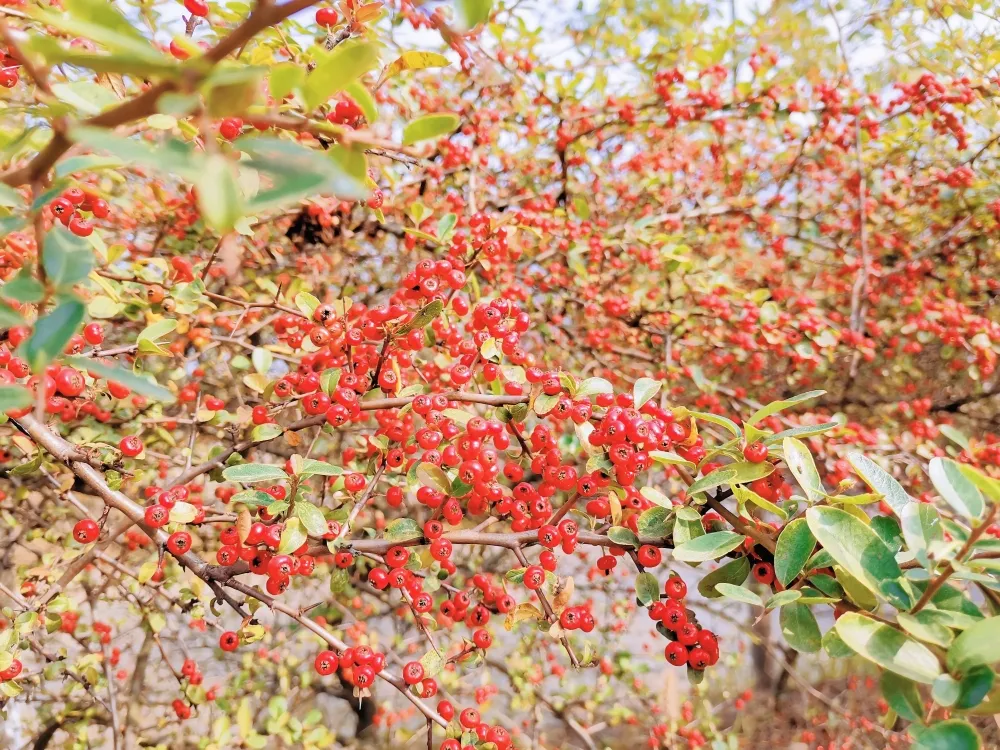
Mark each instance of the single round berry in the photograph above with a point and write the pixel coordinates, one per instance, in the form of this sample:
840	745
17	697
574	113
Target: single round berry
131	446
86	531
326	662
93	334
158	515
413	672
764	572
229	641
11	672
675	587
649	556
755	452
326	17
179	542
196	7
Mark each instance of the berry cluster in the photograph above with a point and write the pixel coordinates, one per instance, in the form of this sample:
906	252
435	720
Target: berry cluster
470	720
689	644
358	665
67	207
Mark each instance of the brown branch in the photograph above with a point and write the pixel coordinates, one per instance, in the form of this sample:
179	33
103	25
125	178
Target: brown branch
145	104
934	586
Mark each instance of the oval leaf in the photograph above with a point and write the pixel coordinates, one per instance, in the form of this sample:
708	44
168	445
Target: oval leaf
709	546
888	647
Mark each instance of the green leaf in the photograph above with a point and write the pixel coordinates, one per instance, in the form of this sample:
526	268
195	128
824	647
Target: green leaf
987	485
880	481
803	431
740	472
136	383
655	523
979	644
219	198
253	498
264	432
902	696
925	627
888	647
433	663
471	13
799	627
647	588
960	493
253	473
974	686
855	547
311	467
734	572
782	599
953	734
739	594
719	420
335	70
14	397
183	512
433	476
623	537
708	547
429	126
656	497
746	495
644	389
775	406
285	78
800	463
424	317
592	387
402	529
415	60
293	536
23	287
52	333
296	172
363	98
170	156
793	549
921	526
67	258
668	458
311	516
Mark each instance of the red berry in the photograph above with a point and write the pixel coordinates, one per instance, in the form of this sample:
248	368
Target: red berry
326	662
70	382
179	542
9	78
326	17
11	672
649	556
196	7
764	572
86	531
482	639
675	587
157	516
413	672
80	227
755	452
229	641
230	128
130	446
676	654
93	333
